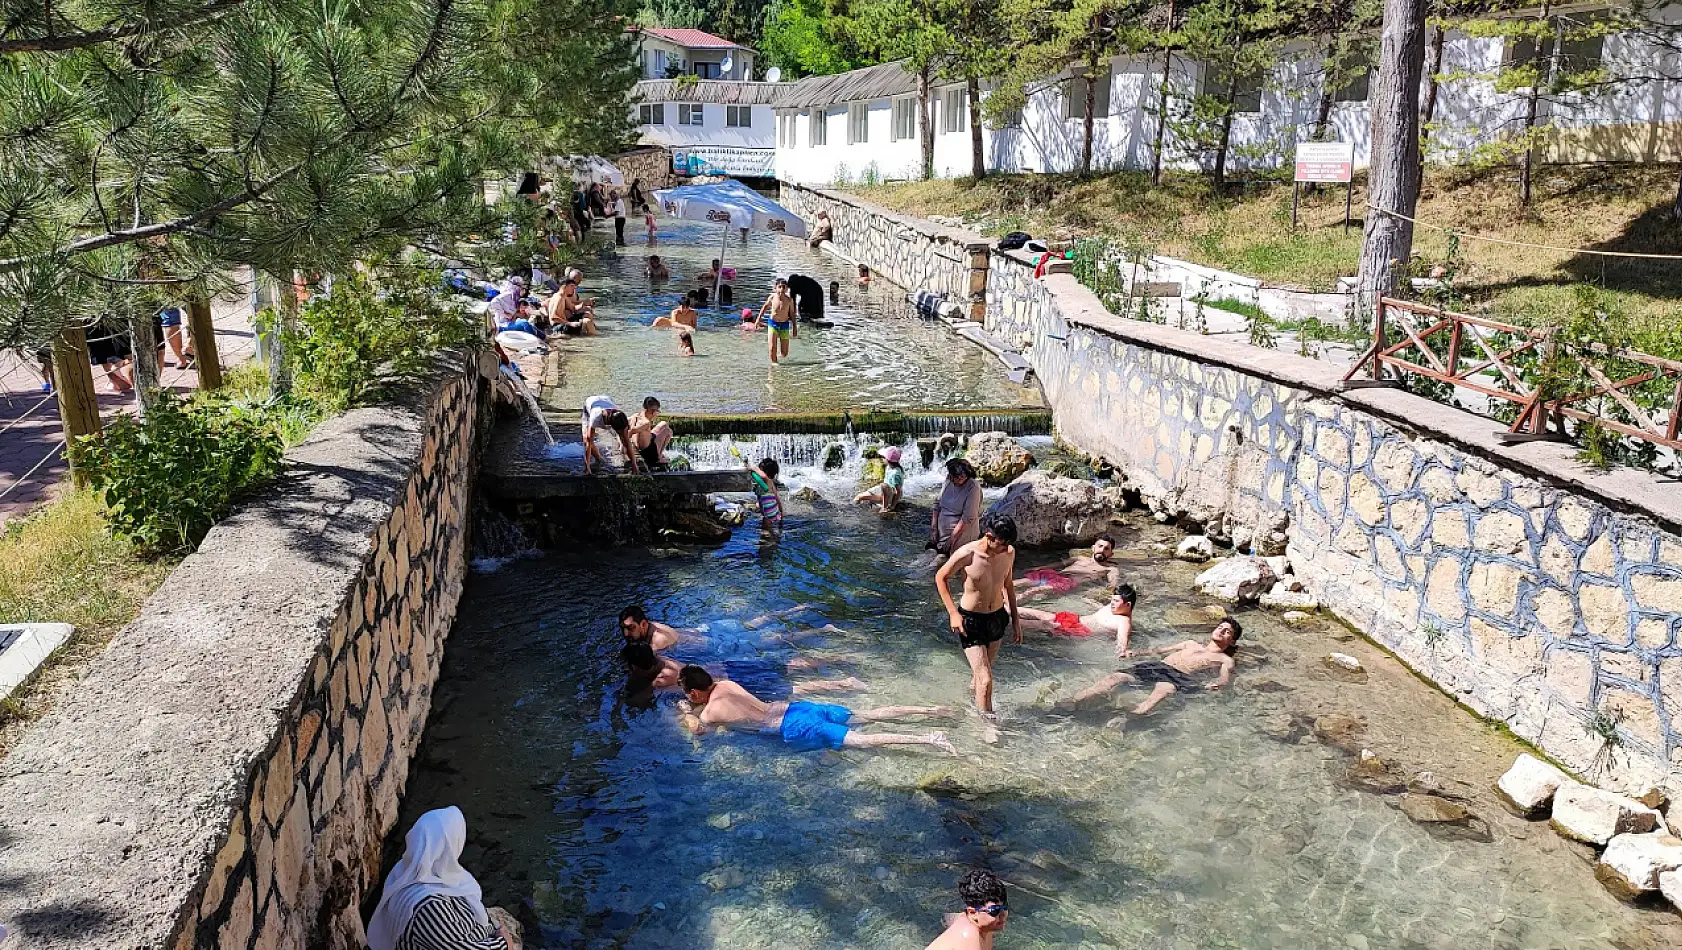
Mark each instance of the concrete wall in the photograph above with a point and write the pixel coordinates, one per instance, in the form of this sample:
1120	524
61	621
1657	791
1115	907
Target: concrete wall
225	773
1542	593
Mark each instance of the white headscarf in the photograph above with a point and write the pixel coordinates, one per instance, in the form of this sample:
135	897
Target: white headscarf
430	867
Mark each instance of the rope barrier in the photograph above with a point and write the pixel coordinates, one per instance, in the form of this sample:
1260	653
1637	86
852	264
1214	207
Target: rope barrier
51	453
27	413
1545	247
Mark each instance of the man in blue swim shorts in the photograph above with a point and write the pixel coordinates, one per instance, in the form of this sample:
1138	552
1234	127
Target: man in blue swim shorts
721	704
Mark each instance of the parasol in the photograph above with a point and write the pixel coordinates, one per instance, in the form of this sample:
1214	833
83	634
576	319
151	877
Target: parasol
733	205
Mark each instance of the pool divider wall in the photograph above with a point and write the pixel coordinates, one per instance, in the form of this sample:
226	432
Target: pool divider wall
227	770
1538	591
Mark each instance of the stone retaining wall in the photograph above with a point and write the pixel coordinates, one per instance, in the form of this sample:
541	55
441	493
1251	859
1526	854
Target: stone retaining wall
1540	592
226	771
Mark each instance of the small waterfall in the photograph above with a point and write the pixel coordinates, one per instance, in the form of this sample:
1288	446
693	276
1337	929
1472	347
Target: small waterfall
833	465
531	402
497	540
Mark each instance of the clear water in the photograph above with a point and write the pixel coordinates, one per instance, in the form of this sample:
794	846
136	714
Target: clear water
878	354
1218	822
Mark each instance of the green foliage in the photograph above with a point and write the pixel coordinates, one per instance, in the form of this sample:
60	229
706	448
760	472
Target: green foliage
352	345
810	38
870	175
1241	307
167	477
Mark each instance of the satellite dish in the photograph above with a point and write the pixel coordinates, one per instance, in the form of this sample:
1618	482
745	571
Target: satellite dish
724	66
774	74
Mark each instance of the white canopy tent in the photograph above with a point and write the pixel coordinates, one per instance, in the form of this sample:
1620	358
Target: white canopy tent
587	169
733	205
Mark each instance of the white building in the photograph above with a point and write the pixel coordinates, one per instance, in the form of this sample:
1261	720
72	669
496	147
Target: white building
863	124
667	54
711	126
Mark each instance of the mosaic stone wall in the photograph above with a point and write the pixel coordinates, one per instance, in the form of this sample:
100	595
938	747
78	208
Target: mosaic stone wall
227	771
1539	593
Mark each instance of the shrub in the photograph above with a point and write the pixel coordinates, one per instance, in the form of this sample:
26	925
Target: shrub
168	477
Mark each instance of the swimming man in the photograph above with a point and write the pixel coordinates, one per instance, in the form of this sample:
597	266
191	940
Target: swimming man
783	325
984	914
1070	574
1115	617
650	670
721	704
988	607
1176	670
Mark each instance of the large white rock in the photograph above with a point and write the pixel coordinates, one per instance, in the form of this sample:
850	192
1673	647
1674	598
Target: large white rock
1052	510
1631	864
1237	579
997	457
1195	548
1596	816
1528	787
1281	597
1670	885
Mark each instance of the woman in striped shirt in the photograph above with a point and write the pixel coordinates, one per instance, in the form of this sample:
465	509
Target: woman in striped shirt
430	902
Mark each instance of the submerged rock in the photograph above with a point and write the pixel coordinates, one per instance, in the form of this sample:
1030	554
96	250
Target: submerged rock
1195	548
806	494
1528	787
1632	864
1588	814
1236	579
1427	809
1345	667
1372	774
1296	618
834	456
1051	510
1341	731
1281	597
998	458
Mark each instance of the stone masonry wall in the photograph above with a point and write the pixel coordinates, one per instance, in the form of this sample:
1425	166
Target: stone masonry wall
1537	591
228	768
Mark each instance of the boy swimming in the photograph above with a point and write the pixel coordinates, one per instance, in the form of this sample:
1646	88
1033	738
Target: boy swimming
721	704
985	914
1177	670
1114	617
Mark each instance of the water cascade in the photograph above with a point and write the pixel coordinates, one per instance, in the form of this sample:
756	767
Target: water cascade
530	400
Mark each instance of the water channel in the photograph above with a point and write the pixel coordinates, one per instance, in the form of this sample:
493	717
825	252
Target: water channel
1222	820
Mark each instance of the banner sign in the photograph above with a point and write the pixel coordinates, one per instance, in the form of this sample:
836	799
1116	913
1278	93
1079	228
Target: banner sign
1325	161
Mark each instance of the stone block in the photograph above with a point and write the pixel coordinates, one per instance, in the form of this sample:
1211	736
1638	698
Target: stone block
291	846
1493	587
271	933
1652	634
278	783
262	862
1366	500
1634	713
304	744
1516	657
1442	590
1557	561
1439	486
222	872
1599	558
1632	863
1591	815
1556	612
1658	592
1448	528
235	933
376	737
1670	885
1483	487
1605	611
1570	674
1528	787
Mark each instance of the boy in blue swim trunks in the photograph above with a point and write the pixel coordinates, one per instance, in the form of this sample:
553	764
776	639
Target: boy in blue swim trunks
784	325
721	704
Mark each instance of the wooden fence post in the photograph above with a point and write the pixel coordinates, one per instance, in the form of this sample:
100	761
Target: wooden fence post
202	333
78	405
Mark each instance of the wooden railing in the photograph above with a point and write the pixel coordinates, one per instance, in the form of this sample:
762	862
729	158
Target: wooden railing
1477	347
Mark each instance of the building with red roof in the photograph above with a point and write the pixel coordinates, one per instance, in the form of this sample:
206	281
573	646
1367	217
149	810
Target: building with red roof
670	53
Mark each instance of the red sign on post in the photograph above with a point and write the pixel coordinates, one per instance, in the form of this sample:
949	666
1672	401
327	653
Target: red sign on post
1326	161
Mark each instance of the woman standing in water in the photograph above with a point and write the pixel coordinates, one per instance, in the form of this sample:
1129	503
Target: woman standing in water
430	902
957	514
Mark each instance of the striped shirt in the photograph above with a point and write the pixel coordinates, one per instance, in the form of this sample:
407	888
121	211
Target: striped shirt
770	509
448	923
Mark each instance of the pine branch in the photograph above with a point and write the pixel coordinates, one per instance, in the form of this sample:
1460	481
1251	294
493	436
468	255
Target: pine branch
59	43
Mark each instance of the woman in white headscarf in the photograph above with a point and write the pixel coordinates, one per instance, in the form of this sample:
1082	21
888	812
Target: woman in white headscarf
430	902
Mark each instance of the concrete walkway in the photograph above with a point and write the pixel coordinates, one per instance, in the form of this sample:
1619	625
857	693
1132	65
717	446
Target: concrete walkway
32	463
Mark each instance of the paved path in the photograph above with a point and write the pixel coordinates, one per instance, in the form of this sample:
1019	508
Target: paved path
32	464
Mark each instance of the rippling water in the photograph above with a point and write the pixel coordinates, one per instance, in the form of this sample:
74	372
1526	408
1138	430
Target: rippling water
1214	823
879	353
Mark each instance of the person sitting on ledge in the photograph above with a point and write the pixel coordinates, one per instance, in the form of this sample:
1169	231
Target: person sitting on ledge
721	704
1114	617
822	230
650	434
1065	577
431	902
1176	670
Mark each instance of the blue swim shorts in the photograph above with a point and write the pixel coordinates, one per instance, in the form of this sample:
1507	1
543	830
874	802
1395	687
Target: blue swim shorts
810	726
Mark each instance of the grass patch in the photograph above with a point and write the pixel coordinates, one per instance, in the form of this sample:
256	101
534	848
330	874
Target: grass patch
62	565
1601	207
1240	307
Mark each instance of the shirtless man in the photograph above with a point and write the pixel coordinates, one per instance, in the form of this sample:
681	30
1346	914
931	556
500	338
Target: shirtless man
650	670
721	704
650	435
1175	671
1070	574
783	325
635	625
683	316
988	607
567	312
1115	617
984	914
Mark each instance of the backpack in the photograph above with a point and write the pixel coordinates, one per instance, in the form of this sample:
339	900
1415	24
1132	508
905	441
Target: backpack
1014	240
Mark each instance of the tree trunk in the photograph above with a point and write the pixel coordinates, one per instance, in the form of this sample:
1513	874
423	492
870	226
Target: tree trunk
1091	107
1532	112
1676	206
148	374
1226	134
1393	176
1323	112
977	159
1428	110
925	128
1162	109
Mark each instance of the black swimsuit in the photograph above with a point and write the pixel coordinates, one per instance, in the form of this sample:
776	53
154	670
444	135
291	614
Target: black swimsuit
983	629
1155	671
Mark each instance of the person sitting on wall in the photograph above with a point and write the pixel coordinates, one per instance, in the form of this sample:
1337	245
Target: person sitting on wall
722	704
650	434
430	902
822	230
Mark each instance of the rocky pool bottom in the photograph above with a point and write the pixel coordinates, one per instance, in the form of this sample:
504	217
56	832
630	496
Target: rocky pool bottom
1239	819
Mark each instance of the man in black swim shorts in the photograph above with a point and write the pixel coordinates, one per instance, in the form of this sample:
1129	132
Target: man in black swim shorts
1178	669
988	607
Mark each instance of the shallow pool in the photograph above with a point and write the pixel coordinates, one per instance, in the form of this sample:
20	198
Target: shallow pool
1221	821
878	353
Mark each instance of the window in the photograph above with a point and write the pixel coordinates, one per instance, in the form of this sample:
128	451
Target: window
706	71
1074	97
1246	92
1575	55
689	114
819	134
1356	89
652	113
738	117
1011	119
858	123
791	132
905	120
954	115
